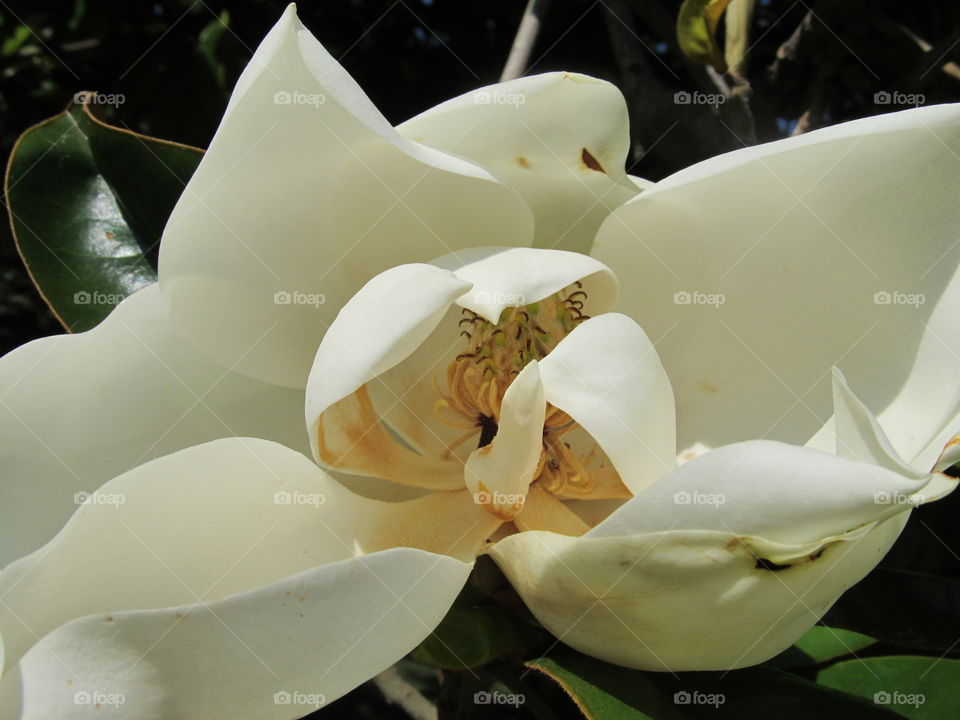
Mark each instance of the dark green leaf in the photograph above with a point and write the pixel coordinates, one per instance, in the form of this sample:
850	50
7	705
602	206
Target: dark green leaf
87	203
608	692
475	632
821	644
925	688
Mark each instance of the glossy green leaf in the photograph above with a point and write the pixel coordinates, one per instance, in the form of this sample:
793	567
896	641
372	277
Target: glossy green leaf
607	692
821	644
475	632
87	204
697	24
924	688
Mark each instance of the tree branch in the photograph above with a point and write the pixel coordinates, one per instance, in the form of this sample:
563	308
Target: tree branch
525	39
398	691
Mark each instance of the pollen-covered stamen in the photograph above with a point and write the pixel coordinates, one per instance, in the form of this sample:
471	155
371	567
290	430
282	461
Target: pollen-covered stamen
495	354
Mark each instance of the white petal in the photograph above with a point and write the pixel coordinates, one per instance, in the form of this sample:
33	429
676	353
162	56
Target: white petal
77	410
796	239
533	132
607	376
683	600
379	327
501	472
767	489
206	581
307	192
502	277
510	277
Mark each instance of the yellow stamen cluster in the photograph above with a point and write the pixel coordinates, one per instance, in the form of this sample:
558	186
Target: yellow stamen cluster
496	353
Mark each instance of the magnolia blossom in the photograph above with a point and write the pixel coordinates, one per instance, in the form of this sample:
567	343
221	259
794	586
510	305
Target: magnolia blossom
543	427
172	550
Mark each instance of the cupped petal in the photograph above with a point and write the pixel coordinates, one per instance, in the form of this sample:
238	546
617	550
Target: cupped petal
77	410
380	326
510	277
560	139
684	600
773	263
500	277
305	193
762	488
607	376
387	320
209	580
500	472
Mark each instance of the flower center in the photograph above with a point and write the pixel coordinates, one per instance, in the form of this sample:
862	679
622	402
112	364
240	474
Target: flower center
477	379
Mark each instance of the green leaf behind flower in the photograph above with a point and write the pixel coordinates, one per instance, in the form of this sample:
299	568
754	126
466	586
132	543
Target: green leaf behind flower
87	203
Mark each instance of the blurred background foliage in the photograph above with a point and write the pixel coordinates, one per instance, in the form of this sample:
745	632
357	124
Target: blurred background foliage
812	63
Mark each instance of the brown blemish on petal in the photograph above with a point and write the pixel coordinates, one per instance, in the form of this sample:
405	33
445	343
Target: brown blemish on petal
589	161
764	564
707	387
732	544
522	162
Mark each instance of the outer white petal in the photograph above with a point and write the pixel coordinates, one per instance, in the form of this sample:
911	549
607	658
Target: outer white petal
76	410
767	489
560	139
607	376
307	189
215	578
683	600
501	472
798	237
509	277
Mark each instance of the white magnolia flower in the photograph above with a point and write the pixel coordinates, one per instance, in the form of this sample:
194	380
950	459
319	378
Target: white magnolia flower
237	578
531	414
